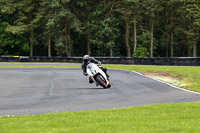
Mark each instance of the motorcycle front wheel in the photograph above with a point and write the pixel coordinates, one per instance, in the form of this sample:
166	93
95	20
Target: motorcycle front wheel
100	80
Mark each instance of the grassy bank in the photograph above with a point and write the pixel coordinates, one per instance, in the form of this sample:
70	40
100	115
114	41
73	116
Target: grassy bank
169	118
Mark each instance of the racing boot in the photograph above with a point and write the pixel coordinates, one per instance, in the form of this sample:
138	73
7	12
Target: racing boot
90	81
97	84
108	76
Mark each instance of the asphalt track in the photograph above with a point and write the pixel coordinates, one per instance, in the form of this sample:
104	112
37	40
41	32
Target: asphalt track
48	90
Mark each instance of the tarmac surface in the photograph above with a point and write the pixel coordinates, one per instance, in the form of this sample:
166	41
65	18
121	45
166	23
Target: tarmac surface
25	91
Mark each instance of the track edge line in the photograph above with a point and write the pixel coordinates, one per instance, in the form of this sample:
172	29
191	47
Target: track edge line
194	92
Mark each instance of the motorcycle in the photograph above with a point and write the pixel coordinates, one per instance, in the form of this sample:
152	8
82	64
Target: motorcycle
98	75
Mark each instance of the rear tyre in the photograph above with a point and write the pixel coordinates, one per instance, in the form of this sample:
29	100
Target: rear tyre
100	81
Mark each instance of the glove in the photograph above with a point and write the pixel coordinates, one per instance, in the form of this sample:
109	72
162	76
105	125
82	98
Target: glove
99	63
84	73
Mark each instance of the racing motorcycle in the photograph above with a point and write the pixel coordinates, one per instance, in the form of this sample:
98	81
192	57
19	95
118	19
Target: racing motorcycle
98	75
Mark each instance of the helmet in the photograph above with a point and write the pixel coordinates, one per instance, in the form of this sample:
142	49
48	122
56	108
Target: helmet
86	58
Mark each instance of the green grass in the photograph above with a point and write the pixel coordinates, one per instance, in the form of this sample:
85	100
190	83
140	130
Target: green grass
168	118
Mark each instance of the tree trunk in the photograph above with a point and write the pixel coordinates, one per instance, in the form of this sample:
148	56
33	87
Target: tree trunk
66	41
183	50
166	35
195	49
172	37
31	34
111	52
127	37
88	45
151	52
70	44
49	47
189	51
135	35
167	50
172	44
167	46
31	42
195	43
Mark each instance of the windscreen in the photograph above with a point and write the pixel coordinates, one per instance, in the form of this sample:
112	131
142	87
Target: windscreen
91	67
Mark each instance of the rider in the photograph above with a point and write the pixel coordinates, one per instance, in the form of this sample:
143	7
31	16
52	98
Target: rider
86	60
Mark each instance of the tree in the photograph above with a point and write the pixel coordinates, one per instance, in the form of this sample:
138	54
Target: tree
49	29
191	9
124	9
107	34
25	18
173	7
87	19
10	44
66	21
134	8
150	9
103	29
160	28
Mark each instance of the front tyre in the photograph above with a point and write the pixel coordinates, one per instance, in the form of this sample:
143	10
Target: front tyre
100	80
109	85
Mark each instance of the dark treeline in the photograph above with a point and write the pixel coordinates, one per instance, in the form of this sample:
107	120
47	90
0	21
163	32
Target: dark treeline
132	28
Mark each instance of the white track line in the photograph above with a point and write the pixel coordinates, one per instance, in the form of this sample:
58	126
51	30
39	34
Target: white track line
161	81
167	83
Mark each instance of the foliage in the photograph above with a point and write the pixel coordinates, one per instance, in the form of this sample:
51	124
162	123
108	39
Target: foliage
106	34
11	44
143	49
75	27
141	52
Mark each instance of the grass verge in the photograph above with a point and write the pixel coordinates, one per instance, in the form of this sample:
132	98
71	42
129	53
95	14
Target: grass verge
168	118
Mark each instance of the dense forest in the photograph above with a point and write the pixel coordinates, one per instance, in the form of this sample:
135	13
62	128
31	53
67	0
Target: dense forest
123	28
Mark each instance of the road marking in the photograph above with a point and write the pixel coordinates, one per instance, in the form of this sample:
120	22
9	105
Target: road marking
167	83
161	81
